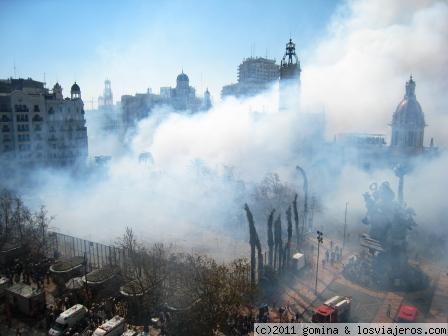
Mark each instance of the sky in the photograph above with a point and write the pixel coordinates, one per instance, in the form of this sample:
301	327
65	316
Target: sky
145	44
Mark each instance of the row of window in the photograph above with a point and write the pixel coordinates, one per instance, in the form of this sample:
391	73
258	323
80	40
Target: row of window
21	108
23	137
25	147
23	128
22	117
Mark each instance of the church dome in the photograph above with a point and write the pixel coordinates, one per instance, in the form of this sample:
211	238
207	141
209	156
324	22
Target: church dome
75	88
409	111
182	77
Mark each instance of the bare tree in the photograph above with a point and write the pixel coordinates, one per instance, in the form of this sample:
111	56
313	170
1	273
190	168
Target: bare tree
296	219
278	243
271	237
254	243
288	244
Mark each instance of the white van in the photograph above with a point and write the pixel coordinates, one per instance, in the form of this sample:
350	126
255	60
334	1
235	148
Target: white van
114	327
130	333
68	319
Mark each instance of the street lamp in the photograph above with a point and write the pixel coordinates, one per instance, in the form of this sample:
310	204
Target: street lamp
320	240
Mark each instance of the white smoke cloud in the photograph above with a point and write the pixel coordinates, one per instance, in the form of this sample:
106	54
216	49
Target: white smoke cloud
357	72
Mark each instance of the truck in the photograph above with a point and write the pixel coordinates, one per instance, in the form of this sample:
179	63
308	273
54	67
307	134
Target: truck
334	310
113	327
71	318
406	314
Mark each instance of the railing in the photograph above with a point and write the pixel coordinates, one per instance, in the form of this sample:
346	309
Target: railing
98	255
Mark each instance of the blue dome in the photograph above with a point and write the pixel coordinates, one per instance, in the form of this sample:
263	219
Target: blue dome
75	88
182	77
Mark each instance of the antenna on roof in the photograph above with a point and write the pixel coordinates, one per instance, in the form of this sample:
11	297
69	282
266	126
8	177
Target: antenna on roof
44	80
15	76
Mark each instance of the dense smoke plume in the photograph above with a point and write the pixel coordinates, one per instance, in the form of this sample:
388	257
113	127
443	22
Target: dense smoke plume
359	70
206	164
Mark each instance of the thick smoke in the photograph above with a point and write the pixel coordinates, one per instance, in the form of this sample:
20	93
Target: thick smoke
359	70
206	164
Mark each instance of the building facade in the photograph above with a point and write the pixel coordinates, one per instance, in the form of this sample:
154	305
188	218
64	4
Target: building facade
39	127
180	98
255	74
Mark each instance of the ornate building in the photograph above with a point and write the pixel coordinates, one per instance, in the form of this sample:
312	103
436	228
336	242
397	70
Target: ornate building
180	98
406	140
40	127
107	99
289	79
408	123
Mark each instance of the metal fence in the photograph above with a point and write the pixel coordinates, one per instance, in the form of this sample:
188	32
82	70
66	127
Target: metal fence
98	255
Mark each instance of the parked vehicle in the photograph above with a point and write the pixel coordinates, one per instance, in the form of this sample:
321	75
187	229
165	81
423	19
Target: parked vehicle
70	318
334	310
406	314
113	327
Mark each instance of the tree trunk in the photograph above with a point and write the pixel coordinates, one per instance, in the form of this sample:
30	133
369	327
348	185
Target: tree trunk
271	237
288	244
296	220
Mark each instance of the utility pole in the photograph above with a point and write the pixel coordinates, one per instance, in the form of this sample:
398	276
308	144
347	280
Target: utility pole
319	241
345	225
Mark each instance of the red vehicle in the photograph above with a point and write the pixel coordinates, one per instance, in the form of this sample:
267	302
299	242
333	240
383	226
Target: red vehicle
334	310
406	314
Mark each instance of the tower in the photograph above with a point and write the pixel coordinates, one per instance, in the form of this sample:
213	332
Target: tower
289	79
57	91
107	94
207	103
182	83
75	91
408	123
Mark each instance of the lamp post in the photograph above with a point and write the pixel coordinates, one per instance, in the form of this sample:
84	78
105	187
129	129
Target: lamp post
320	240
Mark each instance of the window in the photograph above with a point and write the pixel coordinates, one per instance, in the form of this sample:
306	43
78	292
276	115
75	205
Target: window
37	118
23	128
22	117
5	118
5	128
21	108
36	108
